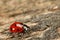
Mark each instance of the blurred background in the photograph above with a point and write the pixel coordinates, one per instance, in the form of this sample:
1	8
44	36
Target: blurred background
43	16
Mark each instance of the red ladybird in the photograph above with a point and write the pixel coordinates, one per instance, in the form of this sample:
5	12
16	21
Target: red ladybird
18	27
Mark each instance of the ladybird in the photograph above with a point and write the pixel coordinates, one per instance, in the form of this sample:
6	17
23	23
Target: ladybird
18	27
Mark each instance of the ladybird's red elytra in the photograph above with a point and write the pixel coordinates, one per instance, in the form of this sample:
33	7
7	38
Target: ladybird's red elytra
16	27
